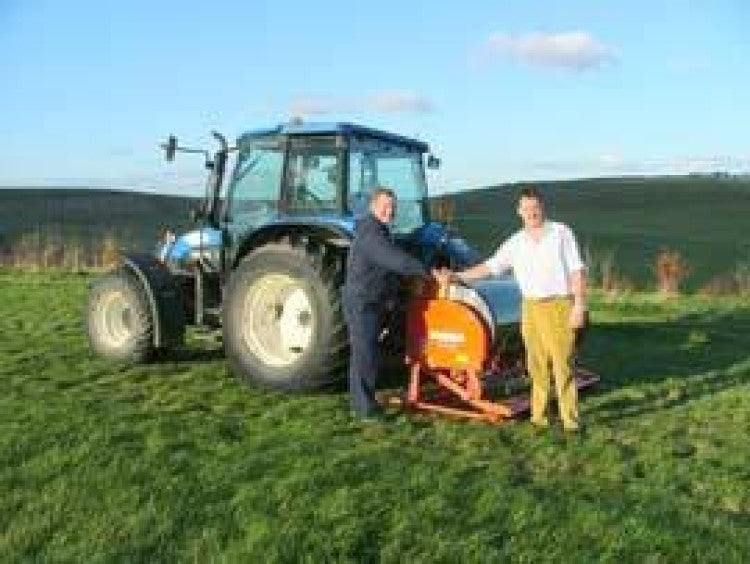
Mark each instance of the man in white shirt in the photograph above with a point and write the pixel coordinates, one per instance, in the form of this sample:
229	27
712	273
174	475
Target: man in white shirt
546	262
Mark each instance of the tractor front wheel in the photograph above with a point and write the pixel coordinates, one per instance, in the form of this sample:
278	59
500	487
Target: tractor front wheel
119	321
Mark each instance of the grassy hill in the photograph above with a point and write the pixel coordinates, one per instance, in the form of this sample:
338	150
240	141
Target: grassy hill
133	219
179	461
705	219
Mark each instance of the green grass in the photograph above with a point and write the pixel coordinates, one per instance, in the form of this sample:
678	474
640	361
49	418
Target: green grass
180	461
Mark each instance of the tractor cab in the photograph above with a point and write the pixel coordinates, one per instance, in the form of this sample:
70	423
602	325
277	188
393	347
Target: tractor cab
301	176
324	170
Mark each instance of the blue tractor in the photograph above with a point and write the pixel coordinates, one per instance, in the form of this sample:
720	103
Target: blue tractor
266	259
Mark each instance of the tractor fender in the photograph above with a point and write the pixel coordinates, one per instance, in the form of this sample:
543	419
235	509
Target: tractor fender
164	298
337	233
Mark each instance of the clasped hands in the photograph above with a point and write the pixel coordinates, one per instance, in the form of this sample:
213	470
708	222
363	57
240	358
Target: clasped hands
443	276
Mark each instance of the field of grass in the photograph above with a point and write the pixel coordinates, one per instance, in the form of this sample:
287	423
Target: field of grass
180	461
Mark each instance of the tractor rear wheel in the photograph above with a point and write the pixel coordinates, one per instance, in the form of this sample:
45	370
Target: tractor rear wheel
119	321
282	319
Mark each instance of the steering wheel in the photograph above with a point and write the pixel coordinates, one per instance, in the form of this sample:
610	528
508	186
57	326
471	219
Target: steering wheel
306	194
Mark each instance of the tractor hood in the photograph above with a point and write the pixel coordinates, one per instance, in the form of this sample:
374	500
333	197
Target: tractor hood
202	244
503	298
336	222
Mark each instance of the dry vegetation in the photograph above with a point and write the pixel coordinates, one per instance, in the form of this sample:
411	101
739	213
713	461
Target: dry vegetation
735	283
38	250
604	274
671	269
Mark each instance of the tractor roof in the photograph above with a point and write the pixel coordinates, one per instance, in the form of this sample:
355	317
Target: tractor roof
304	128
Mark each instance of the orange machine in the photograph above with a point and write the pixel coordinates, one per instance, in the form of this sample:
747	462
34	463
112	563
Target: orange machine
449	343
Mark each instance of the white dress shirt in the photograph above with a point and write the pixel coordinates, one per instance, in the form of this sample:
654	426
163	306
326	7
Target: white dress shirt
542	268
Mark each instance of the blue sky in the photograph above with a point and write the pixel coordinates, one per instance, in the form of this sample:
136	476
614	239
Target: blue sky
502	90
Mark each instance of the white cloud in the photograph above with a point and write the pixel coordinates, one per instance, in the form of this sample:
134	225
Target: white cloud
572	50
308	106
610	160
399	101
383	101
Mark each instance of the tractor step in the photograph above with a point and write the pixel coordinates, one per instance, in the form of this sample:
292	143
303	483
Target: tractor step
207	334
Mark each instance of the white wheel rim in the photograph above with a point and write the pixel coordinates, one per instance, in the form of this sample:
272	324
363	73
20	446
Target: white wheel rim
277	319
116	318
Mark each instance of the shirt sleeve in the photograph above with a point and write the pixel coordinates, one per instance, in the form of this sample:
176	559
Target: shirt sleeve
571	254
501	260
380	250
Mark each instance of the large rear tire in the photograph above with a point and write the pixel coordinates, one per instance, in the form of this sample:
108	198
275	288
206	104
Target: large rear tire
282	319
119	322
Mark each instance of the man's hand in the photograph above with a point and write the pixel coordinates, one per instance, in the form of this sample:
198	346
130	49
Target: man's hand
442	275
578	315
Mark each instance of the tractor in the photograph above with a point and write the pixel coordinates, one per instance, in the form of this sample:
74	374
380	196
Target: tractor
264	263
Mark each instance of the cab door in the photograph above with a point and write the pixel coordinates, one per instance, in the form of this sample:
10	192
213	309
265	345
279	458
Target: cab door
314	175
254	191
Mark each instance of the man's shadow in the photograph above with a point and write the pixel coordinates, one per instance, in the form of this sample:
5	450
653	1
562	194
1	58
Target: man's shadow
666	363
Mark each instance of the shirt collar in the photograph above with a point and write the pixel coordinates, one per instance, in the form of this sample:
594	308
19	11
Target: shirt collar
545	230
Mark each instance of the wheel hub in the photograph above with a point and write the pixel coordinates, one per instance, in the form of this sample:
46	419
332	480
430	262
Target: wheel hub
277	319
115	318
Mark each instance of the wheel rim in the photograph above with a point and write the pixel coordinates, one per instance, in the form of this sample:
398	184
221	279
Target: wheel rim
277	319
116	318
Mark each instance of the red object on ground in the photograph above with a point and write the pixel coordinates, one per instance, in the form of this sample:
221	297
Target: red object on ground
449	345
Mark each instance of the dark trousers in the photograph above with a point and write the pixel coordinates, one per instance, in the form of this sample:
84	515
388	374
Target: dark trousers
363	321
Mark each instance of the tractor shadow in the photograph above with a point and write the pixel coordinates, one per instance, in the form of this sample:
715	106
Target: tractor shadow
195	354
666	363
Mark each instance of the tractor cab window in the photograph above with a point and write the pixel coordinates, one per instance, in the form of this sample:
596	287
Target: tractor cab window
377	163
312	181
253	194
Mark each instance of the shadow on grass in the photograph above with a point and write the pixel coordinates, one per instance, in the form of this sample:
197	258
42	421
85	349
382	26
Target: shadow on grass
194	354
663	364
644	365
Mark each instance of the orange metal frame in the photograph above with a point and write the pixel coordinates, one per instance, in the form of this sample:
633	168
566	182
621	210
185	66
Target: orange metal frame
459	394
448	346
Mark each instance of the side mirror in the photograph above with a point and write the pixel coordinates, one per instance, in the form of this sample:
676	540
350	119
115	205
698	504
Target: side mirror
433	162
170	148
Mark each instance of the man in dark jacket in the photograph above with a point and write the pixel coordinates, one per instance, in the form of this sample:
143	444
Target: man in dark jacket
373	259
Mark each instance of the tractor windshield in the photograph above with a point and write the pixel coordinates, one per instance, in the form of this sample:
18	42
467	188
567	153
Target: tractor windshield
254	190
377	163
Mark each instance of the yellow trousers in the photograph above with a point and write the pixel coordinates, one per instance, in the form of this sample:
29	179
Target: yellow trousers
549	342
